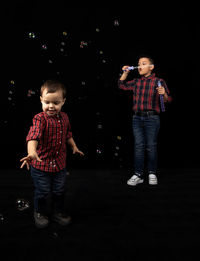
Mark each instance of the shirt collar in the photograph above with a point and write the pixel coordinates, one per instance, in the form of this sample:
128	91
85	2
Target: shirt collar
56	116
151	76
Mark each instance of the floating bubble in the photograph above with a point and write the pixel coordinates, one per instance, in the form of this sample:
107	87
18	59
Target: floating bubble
83	43
31	35
1	217
103	61
99	151
97	30
116	22
116	154
12	82
30	93
44	47
119	137
10	98
62	49
22	204
99	126
117	147
63	43
64	33
83	83
50	61
101	52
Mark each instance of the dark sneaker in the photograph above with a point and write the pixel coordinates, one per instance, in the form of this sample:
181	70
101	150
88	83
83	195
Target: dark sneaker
61	219
40	220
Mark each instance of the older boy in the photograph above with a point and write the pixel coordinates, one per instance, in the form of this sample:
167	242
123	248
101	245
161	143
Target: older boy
46	146
146	121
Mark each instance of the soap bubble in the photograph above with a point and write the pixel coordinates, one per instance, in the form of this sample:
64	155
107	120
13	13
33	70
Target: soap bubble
83	44
99	151
22	204
30	93
116	22
44	47
1	217
99	126
31	35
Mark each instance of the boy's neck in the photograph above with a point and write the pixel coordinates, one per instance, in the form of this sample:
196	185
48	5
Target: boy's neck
147	75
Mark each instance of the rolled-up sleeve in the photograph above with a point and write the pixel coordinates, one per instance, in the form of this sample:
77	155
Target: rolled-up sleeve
126	85
36	130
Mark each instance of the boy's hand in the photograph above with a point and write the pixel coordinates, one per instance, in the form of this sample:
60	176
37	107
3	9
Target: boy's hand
125	70
161	90
77	151
27	160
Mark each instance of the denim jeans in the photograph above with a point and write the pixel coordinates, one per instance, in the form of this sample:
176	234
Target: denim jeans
46	184
145	132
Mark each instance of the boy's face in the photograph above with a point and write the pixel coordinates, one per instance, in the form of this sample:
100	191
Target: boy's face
145	66
52	102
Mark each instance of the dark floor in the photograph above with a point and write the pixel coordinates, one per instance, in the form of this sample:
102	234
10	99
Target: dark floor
111	220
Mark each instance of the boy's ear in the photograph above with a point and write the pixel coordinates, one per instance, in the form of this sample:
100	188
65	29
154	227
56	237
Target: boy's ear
41	98
64	101
152	66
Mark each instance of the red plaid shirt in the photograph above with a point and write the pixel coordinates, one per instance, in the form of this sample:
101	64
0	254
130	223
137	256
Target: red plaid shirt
145	95
51	132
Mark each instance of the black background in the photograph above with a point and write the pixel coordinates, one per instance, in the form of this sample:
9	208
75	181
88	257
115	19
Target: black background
167	32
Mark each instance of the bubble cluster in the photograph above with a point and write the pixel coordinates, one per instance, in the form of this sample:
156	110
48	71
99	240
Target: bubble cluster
22	204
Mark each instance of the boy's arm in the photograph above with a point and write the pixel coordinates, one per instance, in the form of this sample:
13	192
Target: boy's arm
32	153
122	83
75	149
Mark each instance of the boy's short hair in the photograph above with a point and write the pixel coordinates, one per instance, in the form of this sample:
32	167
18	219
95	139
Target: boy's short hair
146	56
53	86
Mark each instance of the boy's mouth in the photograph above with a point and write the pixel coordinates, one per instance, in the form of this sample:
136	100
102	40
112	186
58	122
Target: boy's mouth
51	112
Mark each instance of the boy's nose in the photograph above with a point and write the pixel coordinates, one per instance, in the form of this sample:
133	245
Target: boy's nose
51	105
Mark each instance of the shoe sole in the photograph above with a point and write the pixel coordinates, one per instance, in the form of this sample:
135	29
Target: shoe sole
153	183
41	226
62	223
139	182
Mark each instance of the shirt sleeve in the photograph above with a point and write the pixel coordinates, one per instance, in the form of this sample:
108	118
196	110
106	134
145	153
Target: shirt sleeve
36	130
69	131
126	85
163	83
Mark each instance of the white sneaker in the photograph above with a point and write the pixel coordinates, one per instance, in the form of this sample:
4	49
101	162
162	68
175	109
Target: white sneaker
134	180
153	179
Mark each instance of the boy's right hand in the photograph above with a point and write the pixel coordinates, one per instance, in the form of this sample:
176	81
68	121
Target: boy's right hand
27	160
125	70
125	73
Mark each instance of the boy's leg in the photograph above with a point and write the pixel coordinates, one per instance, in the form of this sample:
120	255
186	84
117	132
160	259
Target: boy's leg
139	145
58	198
152	126
42	185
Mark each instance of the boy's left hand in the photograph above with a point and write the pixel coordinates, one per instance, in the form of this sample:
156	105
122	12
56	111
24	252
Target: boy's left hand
77	151
161	90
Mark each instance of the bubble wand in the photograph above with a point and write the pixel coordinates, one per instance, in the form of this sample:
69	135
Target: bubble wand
130	68
161	99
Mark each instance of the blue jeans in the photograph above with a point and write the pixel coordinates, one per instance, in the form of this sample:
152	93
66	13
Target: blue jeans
145	132
46	184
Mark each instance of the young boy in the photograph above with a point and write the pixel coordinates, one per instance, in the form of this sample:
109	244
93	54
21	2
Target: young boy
146	121
46	146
